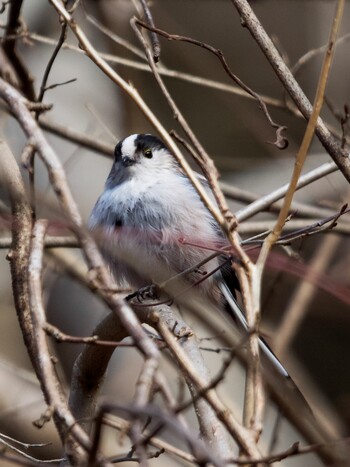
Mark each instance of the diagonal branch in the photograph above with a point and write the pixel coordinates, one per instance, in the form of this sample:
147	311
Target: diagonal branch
306	142
281	141
332	146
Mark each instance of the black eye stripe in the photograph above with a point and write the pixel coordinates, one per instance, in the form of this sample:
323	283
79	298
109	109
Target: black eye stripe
118	222
143	142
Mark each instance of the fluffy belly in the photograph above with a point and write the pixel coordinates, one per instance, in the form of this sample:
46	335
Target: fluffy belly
138	259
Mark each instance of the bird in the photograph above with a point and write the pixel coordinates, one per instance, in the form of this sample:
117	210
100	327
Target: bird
153	226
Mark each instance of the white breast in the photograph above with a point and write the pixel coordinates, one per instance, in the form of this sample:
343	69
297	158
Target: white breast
165	229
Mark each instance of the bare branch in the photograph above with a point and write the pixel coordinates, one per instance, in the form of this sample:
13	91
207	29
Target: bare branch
154	38
309	133
250	21
281	141
265	201
21	232
47	375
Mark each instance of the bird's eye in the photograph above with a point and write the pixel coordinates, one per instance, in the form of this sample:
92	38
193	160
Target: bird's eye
148	153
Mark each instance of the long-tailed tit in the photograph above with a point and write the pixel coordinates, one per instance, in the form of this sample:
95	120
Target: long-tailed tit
155	226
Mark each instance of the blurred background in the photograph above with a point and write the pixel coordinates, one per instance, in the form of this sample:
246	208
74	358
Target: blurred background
237	136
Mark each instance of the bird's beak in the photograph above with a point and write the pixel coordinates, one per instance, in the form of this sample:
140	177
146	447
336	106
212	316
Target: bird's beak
127	161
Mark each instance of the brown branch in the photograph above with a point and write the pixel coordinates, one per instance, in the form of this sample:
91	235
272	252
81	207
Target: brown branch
142	397
332	146
150	23
64	420
13	24
90	367
60	337
27	456
60	42
30	157
123	426
111	34
203	455
21	232
88	142
314	52
281	141
306	142
295	229
20	460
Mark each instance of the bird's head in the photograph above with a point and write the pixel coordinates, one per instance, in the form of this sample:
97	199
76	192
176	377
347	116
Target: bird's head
141	154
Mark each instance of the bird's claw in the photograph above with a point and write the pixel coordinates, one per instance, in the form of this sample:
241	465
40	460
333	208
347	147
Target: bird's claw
150	292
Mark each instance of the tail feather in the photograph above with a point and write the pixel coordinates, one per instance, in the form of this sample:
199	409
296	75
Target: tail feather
239	316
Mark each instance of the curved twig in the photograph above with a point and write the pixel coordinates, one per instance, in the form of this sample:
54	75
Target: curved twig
281	141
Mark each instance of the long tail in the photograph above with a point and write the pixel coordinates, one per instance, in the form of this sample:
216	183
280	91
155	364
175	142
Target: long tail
239	315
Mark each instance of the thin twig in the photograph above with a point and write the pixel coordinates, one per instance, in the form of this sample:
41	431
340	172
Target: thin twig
167	72
310	129
265	201
281	141
60	336
113	36
250	21
299	209
27	456
154	38
60	42
123	425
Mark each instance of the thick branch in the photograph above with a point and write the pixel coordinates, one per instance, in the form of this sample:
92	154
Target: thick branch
64	420
21	232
